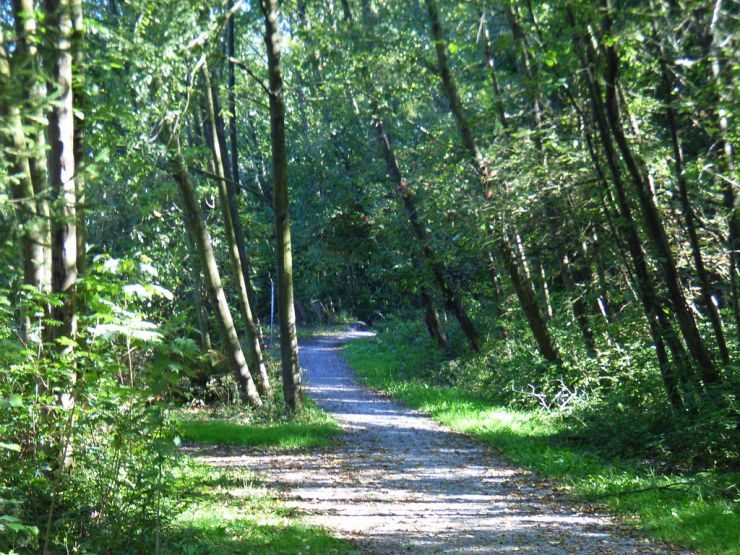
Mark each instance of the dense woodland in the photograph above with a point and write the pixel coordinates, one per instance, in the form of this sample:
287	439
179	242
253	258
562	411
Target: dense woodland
540	195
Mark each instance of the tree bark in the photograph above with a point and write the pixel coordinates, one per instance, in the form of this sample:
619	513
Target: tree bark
491	64
431	319
31	226
33	118
78	86
537	323
683	189
228	210
726	162
216	295
291	370
62	171
654	227
660	328
201	315
439	272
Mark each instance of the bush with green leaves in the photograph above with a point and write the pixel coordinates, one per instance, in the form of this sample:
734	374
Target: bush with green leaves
86	447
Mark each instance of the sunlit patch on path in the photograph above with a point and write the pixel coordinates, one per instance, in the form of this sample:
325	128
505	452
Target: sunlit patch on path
401	483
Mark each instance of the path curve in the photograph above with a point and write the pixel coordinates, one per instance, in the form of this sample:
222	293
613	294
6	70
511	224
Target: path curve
400	483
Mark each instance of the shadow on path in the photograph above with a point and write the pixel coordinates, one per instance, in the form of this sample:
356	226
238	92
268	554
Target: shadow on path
401	483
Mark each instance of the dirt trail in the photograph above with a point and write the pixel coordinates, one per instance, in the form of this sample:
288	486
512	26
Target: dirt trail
400	483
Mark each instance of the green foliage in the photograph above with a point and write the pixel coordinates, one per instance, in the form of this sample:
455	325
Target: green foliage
591	459
543	183
93	406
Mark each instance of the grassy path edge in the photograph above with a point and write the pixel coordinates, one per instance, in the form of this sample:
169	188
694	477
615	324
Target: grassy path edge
678	514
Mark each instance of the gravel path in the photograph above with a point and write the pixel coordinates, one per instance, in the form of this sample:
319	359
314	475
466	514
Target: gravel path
400	483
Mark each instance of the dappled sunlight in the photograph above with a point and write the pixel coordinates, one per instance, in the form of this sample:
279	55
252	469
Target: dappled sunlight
398	481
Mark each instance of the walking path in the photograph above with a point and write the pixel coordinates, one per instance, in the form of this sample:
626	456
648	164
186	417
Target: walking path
400	483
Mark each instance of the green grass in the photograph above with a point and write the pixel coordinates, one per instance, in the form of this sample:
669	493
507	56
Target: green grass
322	330
227	512
686	514
309	428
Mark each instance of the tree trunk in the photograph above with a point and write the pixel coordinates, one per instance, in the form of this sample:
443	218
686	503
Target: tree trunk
431	319
228	210
191	212
31	226
33	89
726	163
451	298
78	59
291	370
688	213
62	171
528	302
491	63
529	305
654	227
231	171
660	328
572	276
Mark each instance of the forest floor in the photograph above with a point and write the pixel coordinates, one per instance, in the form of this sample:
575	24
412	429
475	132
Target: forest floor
397	482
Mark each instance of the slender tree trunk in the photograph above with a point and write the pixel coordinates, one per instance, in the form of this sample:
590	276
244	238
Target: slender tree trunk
231	171
31	226
228	210
78	60
572	276
62	171
726	162
431	318
346	11
527	300
655	229
291	370
27	57
451	298
491	64
688	213
201	315
216	295
233	143
660	328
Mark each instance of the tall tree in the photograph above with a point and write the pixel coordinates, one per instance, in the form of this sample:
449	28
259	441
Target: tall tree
230	219
216	295
524	292
291	370
62	170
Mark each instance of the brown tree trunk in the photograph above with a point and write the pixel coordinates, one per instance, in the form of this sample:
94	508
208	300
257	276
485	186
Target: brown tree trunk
660	328
688	213
31	226
431	319
78	59
291	370
451	298
491	64
726	162
201	315
231	171
527	300
228	210
655	229
26	57
191	213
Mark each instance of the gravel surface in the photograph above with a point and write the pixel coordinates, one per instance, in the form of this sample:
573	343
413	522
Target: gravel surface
400	483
